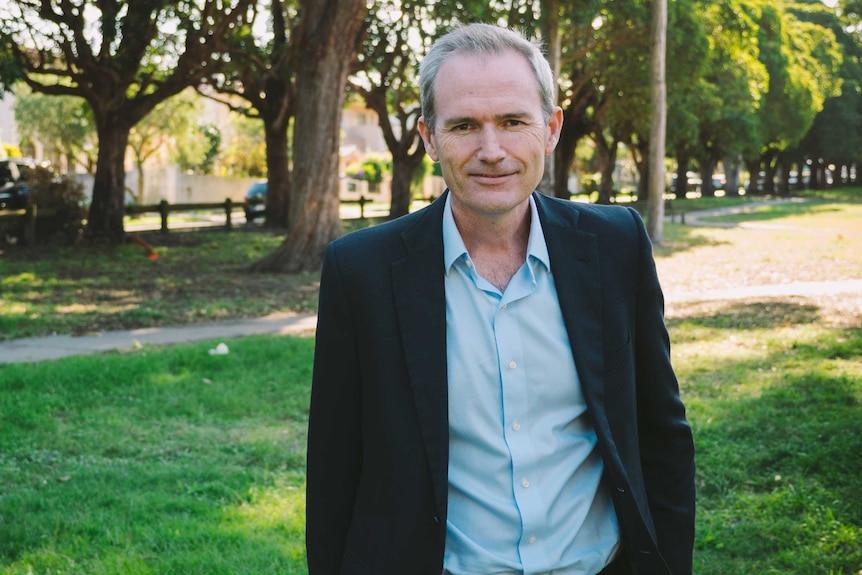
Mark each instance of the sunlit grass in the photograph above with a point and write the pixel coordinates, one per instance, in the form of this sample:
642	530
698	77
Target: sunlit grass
197	277
157	461
169	460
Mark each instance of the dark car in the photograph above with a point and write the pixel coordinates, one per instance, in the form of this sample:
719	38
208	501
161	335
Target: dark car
255	201
13	182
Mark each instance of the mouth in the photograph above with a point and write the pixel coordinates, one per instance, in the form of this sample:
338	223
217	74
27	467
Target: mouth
490	178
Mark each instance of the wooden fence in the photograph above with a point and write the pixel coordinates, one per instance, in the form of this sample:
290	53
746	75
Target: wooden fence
164	208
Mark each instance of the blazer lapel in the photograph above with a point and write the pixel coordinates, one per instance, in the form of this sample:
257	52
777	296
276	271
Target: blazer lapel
575	265
420	303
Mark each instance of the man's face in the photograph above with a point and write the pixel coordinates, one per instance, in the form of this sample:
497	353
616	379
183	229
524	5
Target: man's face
490	135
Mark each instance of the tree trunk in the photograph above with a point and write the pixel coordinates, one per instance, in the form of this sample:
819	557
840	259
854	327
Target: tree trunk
404	144
658	91
680	186
707	167
550	10
329	42
607	160
402	176
277	174
105	217
731	176
564	155
641	158
139	196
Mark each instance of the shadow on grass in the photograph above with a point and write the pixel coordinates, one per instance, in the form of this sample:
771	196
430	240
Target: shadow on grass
776	409
679	238
744	314
779	479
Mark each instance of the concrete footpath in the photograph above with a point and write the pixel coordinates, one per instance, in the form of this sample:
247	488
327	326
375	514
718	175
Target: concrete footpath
57	346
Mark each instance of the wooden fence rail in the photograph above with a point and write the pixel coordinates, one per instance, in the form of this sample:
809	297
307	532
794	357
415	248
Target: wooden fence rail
164	208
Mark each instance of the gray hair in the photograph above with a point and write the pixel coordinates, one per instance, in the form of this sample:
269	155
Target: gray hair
482	39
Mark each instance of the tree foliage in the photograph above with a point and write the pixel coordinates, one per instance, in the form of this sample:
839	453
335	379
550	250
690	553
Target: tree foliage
766	81
62	124
123	57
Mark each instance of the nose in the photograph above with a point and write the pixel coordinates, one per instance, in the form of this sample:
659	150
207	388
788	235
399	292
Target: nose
490	146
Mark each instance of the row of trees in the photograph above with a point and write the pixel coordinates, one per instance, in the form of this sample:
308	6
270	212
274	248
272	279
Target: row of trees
764	83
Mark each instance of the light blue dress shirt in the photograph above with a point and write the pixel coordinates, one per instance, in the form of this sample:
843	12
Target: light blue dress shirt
525	494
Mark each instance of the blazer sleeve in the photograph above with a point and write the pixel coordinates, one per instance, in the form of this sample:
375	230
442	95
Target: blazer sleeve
334	447
665	438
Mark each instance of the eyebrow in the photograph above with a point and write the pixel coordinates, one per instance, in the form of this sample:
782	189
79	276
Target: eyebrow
498	117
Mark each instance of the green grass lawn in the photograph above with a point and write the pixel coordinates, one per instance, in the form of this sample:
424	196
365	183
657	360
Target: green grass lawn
172	461
159	461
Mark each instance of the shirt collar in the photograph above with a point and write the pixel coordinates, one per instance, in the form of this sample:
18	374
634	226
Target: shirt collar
454	248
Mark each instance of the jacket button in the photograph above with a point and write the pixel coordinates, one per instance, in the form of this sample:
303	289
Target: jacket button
621	490
436	519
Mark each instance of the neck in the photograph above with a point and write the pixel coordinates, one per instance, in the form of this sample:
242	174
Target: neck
497	245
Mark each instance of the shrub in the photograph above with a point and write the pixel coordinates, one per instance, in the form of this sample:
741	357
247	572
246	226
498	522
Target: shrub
60	202
370	170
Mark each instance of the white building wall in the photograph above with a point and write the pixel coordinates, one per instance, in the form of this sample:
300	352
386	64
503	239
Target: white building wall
8	126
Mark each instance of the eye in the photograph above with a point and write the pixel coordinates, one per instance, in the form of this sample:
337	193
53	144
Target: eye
512	122
461	127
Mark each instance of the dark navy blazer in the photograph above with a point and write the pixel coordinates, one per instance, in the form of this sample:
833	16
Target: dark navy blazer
378	430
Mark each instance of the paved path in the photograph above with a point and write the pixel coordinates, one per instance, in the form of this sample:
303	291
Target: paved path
57	346
699	218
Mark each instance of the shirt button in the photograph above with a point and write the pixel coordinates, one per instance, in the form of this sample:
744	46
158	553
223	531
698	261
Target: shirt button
504	306
512	364
525	483
516	426
532	539
469	264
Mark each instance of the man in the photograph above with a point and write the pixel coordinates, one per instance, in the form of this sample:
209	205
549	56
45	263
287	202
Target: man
492	388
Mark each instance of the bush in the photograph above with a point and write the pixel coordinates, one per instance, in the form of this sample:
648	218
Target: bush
370	170
60	203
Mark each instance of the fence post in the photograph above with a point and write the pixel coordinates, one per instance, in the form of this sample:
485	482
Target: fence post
30	225
362	201
228	210
164	209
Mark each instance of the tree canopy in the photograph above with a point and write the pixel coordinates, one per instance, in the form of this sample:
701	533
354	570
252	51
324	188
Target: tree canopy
764	82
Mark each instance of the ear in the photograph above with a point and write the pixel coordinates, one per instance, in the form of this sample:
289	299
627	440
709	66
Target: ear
427	139
555	126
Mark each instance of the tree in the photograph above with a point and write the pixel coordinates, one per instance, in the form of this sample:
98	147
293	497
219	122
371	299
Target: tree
550	25
166	128
257	81
328	41
802	60
246	152
835	138
123	58
63	124
604	83
387	83
730	91
658	93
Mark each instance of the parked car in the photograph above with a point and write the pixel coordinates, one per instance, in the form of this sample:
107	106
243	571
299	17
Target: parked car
255	201
13	182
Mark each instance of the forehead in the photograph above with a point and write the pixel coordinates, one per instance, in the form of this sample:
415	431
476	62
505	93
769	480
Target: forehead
484	81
